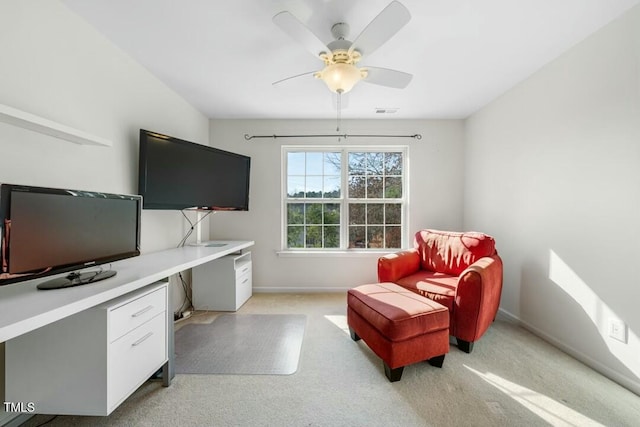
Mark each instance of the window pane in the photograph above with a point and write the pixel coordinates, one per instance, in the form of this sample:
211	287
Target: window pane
357	237
393	163
357	187
375	163
374	187
393	237
357	164
331	187
357	213
314	187
393	188
295	213
314	164
375	213
332	163
375	237
314	236
332	237
295	186
295	163
295	237
313	213
331	213
371	177
393	213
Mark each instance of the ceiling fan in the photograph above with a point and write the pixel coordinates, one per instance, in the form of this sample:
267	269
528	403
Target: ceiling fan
341	56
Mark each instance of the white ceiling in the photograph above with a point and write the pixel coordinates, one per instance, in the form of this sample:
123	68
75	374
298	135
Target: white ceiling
223	56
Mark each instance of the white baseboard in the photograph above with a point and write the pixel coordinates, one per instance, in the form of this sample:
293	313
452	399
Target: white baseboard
305	290
508	316
615	376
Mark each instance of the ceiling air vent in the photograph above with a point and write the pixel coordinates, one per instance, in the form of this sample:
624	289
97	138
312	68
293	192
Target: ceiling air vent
386	110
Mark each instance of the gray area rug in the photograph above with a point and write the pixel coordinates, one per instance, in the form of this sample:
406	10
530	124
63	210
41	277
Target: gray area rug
250	344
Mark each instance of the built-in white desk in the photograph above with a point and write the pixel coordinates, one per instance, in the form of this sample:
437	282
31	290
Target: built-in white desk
24	308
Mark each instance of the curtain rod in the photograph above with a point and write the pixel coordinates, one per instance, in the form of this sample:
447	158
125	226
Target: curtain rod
345	136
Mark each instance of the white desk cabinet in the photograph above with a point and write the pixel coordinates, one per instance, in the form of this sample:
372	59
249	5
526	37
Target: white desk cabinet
88	363
223	284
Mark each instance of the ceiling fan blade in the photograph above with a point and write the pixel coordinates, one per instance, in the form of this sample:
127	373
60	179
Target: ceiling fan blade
382	28
299	32
387	77
310	73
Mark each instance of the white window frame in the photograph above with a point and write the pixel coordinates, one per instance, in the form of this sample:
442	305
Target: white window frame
343	201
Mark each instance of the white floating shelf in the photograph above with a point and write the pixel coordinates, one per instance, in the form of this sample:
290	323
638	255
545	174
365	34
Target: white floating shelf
35	123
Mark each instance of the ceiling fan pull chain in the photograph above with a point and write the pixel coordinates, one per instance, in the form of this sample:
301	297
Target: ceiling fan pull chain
339	107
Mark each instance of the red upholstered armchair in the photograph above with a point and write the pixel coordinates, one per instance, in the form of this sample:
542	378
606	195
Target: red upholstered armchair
461	271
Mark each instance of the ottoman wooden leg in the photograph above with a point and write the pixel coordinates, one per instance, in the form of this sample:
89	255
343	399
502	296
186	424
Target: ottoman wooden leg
353	334
436	361
393	374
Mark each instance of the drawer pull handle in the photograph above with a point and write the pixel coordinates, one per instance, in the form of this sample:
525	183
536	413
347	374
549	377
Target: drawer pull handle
143	311
245	270
245	280
141	340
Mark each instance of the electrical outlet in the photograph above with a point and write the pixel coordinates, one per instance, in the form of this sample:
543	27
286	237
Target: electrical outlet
617	329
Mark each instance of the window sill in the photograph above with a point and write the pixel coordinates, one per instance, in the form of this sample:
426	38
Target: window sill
330	254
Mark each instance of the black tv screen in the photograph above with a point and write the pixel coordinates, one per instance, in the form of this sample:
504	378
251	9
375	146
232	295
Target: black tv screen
46	231
177	174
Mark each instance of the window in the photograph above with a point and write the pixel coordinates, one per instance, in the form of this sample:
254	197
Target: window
344	198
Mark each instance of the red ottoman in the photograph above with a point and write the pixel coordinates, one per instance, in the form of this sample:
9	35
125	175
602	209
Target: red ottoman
400	326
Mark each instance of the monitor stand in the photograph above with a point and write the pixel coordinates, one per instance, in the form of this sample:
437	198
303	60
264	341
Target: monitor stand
75	279
198	227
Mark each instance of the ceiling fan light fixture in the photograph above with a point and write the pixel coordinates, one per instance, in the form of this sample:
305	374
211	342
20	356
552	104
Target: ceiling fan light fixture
341	77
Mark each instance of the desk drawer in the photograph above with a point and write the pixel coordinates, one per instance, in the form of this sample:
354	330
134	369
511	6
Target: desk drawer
136	312
244	288
244	269
135	357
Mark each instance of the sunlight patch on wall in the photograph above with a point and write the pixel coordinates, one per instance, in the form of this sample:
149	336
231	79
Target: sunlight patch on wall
550	410
600	313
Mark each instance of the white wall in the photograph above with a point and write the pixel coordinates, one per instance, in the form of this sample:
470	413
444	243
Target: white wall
54	65
553	171
435	194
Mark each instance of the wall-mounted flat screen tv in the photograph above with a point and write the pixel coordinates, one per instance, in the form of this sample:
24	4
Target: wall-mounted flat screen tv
46	231
177	174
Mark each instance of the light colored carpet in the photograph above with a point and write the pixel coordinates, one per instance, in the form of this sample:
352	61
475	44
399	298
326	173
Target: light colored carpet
249	344
511	378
